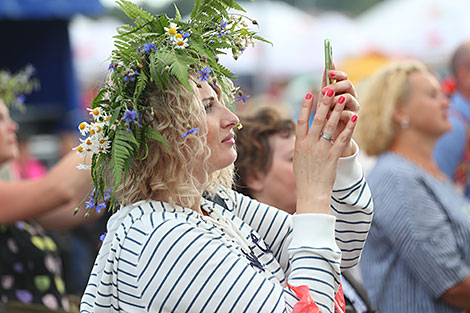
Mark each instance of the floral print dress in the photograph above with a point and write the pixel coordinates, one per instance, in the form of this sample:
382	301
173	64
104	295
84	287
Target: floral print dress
30	267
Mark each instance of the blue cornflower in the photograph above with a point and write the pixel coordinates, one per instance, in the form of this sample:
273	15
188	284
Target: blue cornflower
242	98
149	46
112	67
90	203
204	74
107	195
130	116
222	26
191	131
103	236
131	76
184	34
20	99
100	207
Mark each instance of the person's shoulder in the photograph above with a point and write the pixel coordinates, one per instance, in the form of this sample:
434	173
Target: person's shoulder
390	164
147	216
392	171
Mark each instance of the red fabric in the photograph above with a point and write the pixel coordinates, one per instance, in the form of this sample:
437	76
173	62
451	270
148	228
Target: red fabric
340	304
306	303
449	85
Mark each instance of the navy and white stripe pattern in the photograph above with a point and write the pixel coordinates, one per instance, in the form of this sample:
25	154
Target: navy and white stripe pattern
417	248
159	258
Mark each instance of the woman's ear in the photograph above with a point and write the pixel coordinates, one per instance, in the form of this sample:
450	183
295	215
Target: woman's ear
400	115
255	181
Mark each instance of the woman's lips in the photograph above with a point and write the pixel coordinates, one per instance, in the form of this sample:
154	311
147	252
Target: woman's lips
229	139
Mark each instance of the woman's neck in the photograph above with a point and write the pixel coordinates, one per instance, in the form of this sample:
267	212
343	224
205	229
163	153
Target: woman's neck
418	151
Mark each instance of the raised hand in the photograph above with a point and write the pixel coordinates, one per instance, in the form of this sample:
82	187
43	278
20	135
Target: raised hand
318	149
343	88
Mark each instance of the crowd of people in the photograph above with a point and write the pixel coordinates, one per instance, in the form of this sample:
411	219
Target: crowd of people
213	212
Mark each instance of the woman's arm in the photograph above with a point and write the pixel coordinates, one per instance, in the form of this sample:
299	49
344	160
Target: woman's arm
62	217
27	199
315	166
353	207
459	295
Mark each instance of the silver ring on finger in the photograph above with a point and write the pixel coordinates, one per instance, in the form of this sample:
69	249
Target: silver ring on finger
326	137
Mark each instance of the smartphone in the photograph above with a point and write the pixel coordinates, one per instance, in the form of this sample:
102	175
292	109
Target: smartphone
328	60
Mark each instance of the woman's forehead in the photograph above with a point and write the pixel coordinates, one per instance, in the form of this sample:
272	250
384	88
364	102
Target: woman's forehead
206	91
3	107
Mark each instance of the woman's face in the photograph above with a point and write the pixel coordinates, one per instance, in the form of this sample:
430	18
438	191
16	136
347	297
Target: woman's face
220	122
8	128
278	186
427	106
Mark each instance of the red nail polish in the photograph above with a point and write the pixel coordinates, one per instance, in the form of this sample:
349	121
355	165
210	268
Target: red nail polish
324	90
308	96
341	100
354	119
330	93
331	73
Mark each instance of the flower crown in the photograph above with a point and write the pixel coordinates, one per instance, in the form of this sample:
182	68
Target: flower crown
155	51
14	87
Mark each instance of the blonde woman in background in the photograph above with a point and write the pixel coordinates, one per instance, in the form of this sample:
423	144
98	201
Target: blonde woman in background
417	255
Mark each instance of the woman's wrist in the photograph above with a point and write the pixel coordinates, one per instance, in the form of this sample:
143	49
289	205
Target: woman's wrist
349	150
314	204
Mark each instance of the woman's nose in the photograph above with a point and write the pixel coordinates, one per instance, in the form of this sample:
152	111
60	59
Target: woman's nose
230	119
13	125
445	101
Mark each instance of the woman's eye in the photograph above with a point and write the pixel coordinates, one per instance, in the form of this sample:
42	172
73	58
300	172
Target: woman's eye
208	106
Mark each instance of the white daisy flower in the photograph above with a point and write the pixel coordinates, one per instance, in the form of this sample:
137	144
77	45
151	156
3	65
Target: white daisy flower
98	114
97	129
84	128
103	145
106	120
181	42
89	145
81	150
114	125
172	30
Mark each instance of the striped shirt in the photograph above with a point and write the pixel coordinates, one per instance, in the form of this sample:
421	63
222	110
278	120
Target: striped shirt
162	258
418	247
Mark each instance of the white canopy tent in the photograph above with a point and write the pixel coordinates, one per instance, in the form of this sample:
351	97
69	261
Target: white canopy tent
428	30
297	39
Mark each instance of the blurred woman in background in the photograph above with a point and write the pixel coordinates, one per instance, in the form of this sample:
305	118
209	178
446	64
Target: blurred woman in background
417	255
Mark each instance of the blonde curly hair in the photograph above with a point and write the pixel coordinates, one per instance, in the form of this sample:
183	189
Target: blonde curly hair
379	96
176	175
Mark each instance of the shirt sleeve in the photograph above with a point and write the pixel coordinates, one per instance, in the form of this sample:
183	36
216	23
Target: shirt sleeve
421	232
353	207
178	267
351	204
